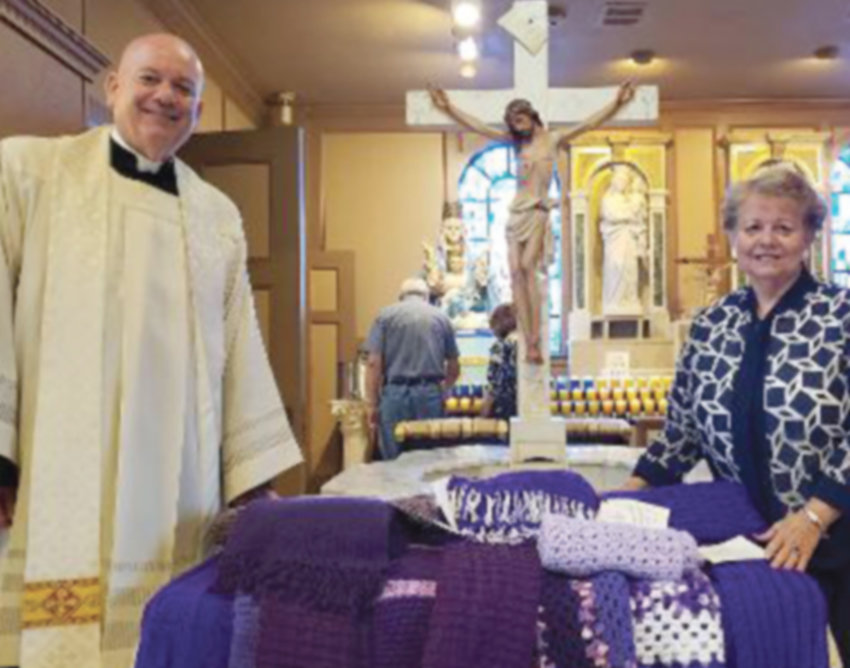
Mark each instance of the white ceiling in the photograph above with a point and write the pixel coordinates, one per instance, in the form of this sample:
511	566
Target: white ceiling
372	51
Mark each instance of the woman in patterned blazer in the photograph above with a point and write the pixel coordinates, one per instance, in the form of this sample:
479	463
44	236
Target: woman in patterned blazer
762	389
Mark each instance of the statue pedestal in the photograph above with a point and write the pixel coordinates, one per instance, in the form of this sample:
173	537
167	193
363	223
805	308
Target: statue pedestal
539	438
620	327
535	434
356	445
647	357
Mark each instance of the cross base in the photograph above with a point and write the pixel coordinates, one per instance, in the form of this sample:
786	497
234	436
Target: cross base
538	438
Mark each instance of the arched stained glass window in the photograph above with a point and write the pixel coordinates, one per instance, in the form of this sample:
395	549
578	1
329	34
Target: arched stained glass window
840	243
486	188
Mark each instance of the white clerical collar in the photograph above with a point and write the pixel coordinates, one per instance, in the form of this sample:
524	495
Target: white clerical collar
143	164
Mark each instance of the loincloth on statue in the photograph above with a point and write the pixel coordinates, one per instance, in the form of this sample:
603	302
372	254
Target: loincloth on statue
525	220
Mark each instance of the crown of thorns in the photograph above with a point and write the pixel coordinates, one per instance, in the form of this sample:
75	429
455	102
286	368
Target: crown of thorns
520	106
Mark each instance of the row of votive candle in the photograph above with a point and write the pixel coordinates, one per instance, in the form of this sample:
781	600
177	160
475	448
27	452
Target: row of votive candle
464	405
634	406
589	382
630	394
592	389
610	407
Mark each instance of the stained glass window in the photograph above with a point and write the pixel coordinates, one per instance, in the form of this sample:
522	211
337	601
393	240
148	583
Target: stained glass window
486	188
840	180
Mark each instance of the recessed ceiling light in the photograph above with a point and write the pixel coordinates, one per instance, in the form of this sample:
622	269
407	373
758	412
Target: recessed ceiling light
827	52
642	56
466	13
467	49
556	13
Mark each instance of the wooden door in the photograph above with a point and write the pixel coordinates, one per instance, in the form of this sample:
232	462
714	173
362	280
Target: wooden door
261	170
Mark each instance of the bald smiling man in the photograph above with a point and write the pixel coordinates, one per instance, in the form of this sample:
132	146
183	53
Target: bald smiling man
136	398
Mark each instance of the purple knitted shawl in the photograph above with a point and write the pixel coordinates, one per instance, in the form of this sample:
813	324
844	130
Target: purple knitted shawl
711	512
771	618
486	609
312	568
508	508
403	611
327	554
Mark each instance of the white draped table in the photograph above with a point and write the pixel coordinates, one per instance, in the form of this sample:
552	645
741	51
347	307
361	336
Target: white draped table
604	466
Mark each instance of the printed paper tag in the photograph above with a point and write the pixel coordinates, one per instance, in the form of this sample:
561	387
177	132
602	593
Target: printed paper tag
630	511
737	549
441	493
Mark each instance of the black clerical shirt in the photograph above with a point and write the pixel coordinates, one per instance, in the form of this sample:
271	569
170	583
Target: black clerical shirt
124	162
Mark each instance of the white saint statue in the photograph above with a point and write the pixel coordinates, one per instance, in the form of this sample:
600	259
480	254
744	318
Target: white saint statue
623	228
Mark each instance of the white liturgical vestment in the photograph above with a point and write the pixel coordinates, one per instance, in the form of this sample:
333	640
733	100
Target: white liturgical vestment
135	393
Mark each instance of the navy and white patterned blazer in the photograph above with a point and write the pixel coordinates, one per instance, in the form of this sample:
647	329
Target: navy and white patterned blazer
806	397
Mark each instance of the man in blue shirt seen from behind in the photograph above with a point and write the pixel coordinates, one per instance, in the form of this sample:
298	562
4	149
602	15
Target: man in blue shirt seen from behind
413	361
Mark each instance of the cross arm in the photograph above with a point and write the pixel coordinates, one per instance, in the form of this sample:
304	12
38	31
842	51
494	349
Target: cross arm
622	99
579	105
444	104
558	106
487	107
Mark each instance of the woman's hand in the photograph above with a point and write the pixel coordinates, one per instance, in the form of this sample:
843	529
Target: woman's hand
439	98
791	541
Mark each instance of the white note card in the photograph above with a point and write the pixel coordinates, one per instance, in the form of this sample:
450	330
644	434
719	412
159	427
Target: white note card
441	494
737	549
629	511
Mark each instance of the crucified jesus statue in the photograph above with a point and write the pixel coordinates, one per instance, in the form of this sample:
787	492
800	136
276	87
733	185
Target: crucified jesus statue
529	234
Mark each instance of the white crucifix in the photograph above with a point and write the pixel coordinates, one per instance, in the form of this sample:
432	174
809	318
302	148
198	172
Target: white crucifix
528	22
534	434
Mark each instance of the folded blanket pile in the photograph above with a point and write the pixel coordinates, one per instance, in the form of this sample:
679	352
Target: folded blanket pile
351	583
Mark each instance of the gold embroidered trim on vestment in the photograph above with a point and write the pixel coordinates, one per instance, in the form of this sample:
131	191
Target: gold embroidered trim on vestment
61	603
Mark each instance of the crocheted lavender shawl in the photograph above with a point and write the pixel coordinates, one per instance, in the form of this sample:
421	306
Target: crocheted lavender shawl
580	548
508	508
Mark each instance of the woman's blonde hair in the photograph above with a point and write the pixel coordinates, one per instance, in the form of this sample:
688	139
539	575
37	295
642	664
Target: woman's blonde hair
778	179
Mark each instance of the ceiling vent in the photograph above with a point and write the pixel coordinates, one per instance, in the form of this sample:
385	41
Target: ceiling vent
619	13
